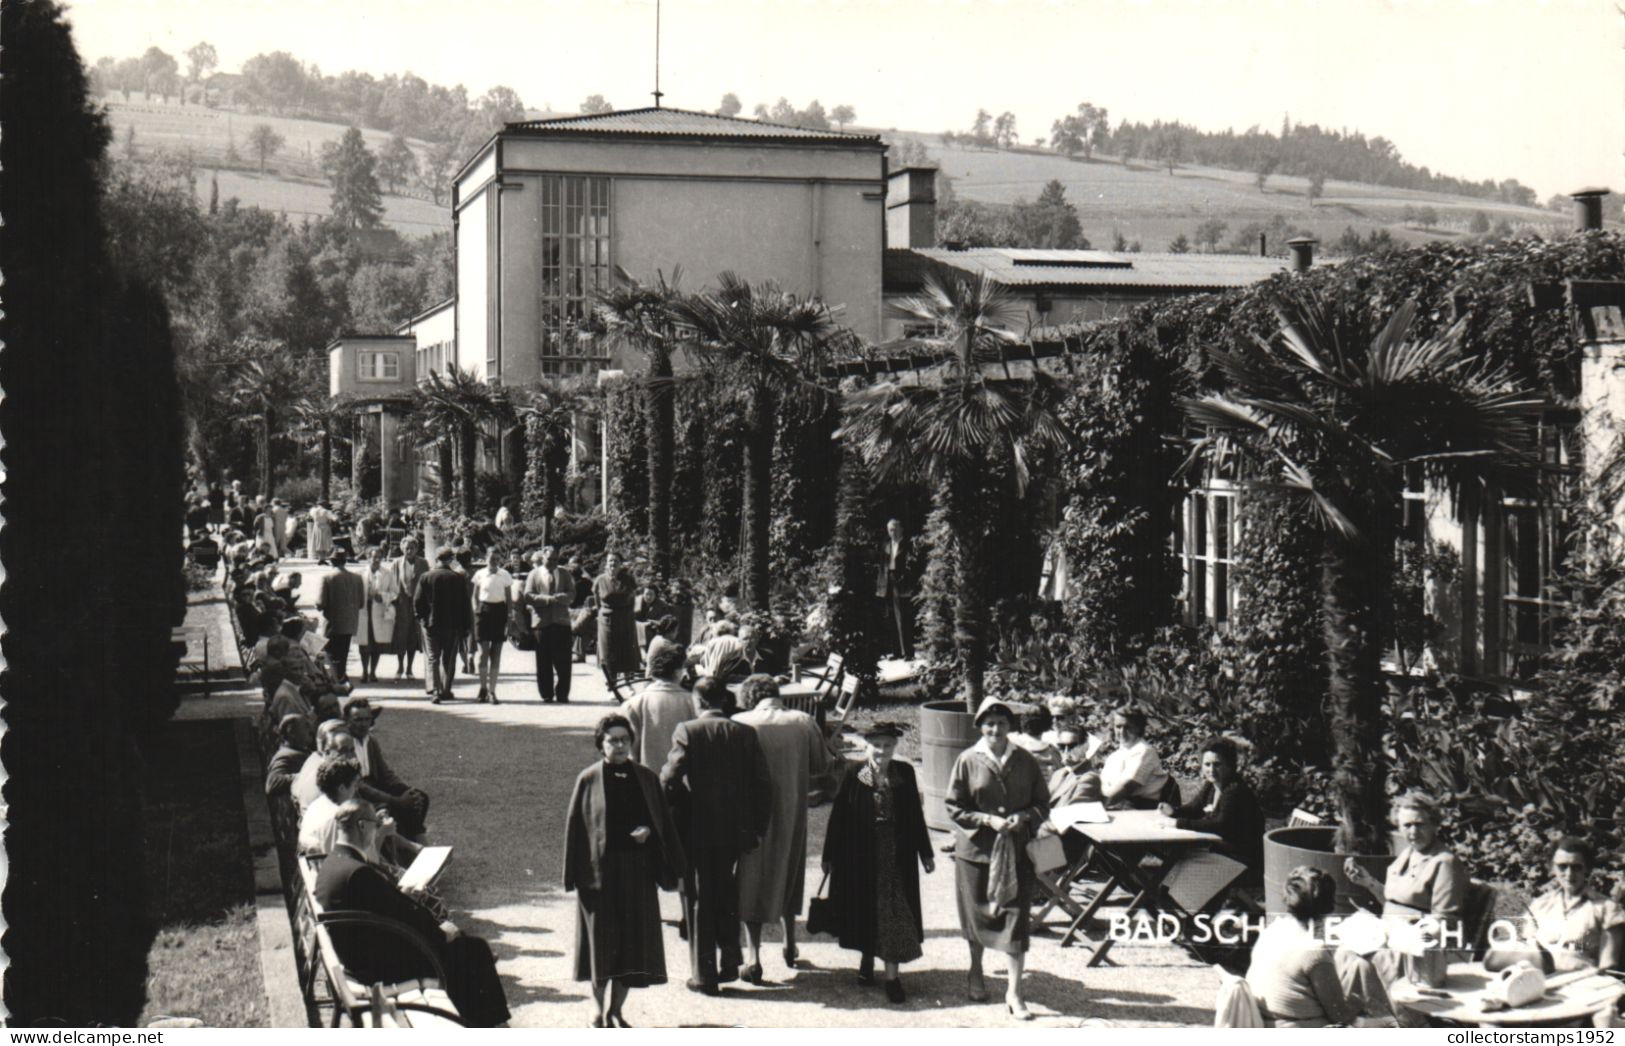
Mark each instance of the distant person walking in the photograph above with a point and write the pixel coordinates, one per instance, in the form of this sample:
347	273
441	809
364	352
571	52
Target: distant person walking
442	604
409	567
616	590
340	599
320	538
378	622
493	593
548	593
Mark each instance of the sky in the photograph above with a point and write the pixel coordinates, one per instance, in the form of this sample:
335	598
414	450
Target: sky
1479	89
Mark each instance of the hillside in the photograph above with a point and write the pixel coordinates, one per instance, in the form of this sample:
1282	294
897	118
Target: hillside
292	182
1145	203
1140	201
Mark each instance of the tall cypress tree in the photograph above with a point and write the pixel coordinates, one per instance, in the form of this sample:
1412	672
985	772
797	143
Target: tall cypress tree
89	543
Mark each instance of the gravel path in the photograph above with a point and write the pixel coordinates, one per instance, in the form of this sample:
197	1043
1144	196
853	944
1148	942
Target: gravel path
500	776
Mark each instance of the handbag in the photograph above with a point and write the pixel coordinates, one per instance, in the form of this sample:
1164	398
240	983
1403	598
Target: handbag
821	911
1046	853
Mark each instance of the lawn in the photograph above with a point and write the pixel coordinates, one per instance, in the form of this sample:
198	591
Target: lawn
1144	202
205	961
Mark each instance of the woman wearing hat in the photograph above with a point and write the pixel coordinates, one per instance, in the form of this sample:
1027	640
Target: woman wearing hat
997	797
875	837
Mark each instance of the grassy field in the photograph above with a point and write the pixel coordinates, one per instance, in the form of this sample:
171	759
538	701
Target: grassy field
1145	203
292	182
1141	201
205	961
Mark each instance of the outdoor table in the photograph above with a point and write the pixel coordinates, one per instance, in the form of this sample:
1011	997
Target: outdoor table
1569	997
1120	847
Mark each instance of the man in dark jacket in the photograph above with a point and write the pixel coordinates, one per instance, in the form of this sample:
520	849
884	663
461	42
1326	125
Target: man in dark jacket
379	782
297	738
340	599
444	605
716	778
347	882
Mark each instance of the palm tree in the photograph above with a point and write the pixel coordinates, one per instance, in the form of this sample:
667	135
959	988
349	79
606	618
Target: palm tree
641	317
1341	414
320	418
264	390
956	424
455	407
770	347
548	411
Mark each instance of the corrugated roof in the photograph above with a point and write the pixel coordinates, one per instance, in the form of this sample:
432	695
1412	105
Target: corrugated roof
684	123
1016	267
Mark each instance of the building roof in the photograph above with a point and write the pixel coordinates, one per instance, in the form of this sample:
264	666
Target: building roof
904	269
683	123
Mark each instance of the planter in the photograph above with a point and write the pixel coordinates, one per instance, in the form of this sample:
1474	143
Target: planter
1311	846
946	729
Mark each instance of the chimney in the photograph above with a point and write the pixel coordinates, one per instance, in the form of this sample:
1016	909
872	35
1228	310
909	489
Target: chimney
1303	252
1588	209
1263	245
911	207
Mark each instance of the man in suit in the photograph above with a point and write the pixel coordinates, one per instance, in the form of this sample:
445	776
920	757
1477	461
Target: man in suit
340	599
296	735
347	882
443	604
895	587
716	778
549	591
379	782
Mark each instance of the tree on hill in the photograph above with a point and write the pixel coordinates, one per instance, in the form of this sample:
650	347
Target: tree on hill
1180	245
1168	147
981	129
1427	217
595	104
1266	167
162	72
265	142
813	117
200	59
438	166
1079	132
761	112
1050	222
276	80
1317	187
730	105
1004	130
397	163
356	201
1480	223
843	115
1210	232
501	105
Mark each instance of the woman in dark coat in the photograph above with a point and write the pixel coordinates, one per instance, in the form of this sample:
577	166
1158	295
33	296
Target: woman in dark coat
620	844
876	834
997	797
1224	806
615	591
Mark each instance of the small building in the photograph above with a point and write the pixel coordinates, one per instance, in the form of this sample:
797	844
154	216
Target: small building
377	373
1058	287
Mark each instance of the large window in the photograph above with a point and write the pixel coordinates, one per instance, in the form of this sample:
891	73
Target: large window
1205	540
1534	537
575	264
378	366
433	359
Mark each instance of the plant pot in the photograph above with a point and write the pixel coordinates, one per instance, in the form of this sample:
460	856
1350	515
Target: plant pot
946	730
1311	846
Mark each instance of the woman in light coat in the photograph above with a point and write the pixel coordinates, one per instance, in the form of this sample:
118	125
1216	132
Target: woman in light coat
383	591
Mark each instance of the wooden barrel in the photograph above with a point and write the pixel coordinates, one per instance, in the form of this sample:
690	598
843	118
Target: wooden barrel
946	730
1311	846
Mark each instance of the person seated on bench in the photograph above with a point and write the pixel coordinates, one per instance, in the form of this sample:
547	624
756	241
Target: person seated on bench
379	782
297	738
338	777
348	882
1034	724
1225	806
332	738
282	695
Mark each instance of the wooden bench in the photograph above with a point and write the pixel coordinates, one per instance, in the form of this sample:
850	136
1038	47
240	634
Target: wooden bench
188	634
420	1002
